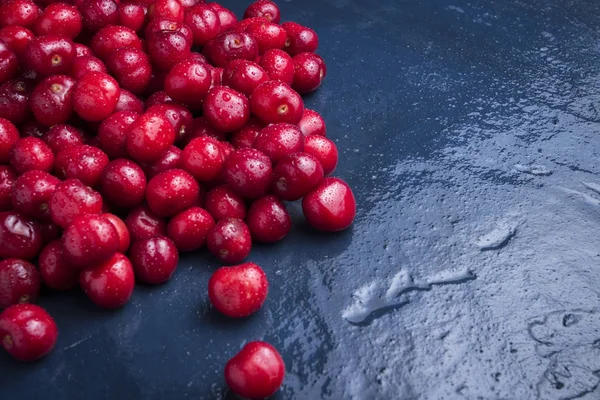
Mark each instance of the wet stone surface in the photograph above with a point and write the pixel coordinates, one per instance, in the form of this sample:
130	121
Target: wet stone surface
469	131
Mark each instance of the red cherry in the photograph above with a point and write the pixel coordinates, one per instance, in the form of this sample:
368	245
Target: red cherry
229	46
244	76
171	159
8	177
267	35
268	220
296	175
149	137
50	55
229	240
188	83
203	159
167	48
154	259
265	9
20	236
132	15
179	116
324	150
309	72
238	291
56	273
16	39
142	223
203	22
89	241
113	37
31	153
129	102
189	228
159	97
300	39
227	18
278	65
131	67
171	192
27	332
9	135
166	9
84	162
18	12
9	63
123	183
222	202
61	137
72	199
31	193
19	282
246	136
59	19
226	109
84	64
279	140
312	123
95	96
256	372
14	100
275	101
122	231
82	50
111	284
331	206
248	172
112	133
97	14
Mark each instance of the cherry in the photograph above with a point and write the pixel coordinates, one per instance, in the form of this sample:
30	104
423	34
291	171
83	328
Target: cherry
243	76
226	109
171	159
142	223
200	127
166	9
268	220
27	331
245	137
159	25
179	116
123	183
309	71
131	67
20	236
95	96
300	39
203	22
267	35
132	15
89	241
32	192
14	100
52	100
9	63
83	162
167	48
50	54
229	240
278	65
222	202
256	372
61	137
154	259
279	140
248	172
296	175
122	231
190	3
265	9
238	291
149	137
16	39
188	83
72	199
312	123
227	18
171	192
31	153
19	282
111	38
56	273
203	159
324	150
82	50
112	133
97	14
59	19
111	284
8	177
84	64
9	135
229	46
33	128
275	101
129	102
18	12
159	97
189	228
331	206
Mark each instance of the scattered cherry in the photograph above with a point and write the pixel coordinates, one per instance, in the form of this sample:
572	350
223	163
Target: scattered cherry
248	172
171	192
95	96
72	199
83	162
56	273
19	282
189	228
324	150
296	175
331	206
110	285
31	153
31	193
229	240
142	223
265	9
275	101
89	241
268	220
20	236
222	202
123	183
154	259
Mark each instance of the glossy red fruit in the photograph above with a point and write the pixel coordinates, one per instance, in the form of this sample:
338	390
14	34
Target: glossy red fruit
33	128
171	192
159	25
84	64
154	259
9	63
227	18
275	101
265	9
167	48
142	223
171	159
82	50
309	72
31	193
18	12
296	175
9	135
188	83
268	220
226	109
179	116
331	207
245	137
56	273
243	76
229	240
159	97
238	291
52	100
149	137
111	284
16	39
131	67
267	35
113	37
123	183
129	102
203	22
14	100
112	133
256	372
300	38
73	199
222	202
278	65
59	19
31	153
20	236
229	46
50	55
97	14
132	15
312	123
89	241
84	162
203	159
19	282
122	231
189	228
324	150
27	332
95	96
248	172
279	140
166	9
200	127
8	177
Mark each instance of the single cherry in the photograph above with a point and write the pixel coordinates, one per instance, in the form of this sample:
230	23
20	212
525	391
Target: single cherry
123	183
50	55
309	72
279	140
267	35
265	9
112	133
149	137
20	236
52	100
222	202
61	137
9	135
97	14
226	109
19	282
18	12
188	83
31	193
56	273
296	175
132	15
243	76
14	100
246	136
16	39
83	162
73	199
312	123
59	19
248	172
154	259
229	240
203	159
324	150
275	101
300	38
229	46
166	9
95	96
111	284
203	22
131	67
268	220
142	223
171	192
171	159
189	228
227	18
31	153
179	116
113	37
9	63
167	48
89	241
331	206
238	291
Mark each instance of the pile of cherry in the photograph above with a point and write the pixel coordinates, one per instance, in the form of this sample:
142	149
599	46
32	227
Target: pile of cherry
132	131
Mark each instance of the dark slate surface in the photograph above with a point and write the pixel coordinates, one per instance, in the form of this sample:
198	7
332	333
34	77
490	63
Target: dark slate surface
469	132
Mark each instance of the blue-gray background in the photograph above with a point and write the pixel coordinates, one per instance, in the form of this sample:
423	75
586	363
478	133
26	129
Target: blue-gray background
469	132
